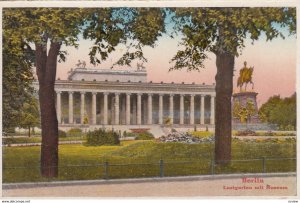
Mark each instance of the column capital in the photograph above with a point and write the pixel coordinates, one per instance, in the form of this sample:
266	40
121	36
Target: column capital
105	93
128	94
94	93
70	92
82	92
117	93
202	95
171	95
161	94
192	95
139	94
182	95
150	94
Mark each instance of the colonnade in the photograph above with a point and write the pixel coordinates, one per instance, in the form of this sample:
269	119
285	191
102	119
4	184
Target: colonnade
137	107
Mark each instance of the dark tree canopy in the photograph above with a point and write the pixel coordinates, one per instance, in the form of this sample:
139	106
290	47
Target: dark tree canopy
220	30
280	111
133	27
16	79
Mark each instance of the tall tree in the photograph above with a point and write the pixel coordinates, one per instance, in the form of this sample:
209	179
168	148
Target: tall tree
223	31
30	116
46	30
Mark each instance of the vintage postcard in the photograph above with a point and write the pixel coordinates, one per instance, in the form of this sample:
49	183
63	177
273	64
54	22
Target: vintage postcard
149	99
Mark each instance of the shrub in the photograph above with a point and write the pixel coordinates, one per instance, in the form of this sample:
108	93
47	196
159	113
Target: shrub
144	136
74	132
129	134
102	137
201	134
62	133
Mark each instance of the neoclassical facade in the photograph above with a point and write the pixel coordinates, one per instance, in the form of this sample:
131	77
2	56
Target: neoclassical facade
100	97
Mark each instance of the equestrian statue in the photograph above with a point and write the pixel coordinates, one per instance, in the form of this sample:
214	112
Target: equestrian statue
245	77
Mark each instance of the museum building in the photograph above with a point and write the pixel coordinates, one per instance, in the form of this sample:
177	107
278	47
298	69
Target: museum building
99	97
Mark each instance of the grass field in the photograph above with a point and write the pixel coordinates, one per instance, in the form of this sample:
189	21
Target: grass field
35	139
141	159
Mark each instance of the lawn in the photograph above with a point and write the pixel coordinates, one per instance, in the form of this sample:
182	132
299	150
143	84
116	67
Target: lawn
36	139
142	158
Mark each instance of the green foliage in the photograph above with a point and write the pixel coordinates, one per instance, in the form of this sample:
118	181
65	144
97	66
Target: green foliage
20	140
144	136
139	135
30	115
201	134
38	25
62	133
129	134
133	27
16	80
223	30
280	111
102	137
74	132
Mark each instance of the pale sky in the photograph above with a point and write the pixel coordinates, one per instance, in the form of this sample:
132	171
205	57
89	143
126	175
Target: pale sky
274	65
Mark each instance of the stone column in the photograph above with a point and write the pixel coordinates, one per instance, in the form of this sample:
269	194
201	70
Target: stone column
94	94
123	106
133	120
192	110
202	109
139	108
82	107
127	108
160	110
212	110
70	107
112	111
149	109
181	121
117	109
171	109
58	106
105	108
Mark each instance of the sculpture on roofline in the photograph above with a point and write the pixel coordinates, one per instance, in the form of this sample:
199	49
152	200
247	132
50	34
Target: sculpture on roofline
81	64
140	67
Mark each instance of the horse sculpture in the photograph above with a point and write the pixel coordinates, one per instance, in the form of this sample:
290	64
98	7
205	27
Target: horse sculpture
245	77
140	66
81	64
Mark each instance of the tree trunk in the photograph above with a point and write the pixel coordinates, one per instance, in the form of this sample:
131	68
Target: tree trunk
223	123
29	131
46	71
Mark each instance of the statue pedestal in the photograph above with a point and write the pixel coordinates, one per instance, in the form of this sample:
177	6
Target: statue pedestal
242	98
